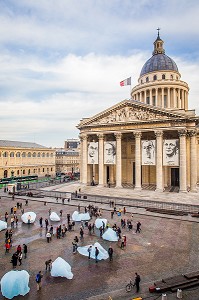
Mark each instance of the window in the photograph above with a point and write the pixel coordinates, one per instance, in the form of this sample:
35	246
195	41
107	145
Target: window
5	154
43	170
28	171
163	76
147	100
165	100
171	77
47	154
153	100
51	169
141	81
29	154
43	154
34	154
38	154
155	77
147	79
18	154
51	155
39	170
17	172
24	172
12	154
24	154
34	171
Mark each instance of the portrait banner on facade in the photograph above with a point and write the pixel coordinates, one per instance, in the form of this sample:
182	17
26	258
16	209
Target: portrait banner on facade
148	152
110	153
171	152
93	153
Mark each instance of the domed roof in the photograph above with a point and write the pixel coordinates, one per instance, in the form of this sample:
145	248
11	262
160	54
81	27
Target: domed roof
159	61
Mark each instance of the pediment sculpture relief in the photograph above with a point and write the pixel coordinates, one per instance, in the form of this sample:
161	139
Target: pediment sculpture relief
129	114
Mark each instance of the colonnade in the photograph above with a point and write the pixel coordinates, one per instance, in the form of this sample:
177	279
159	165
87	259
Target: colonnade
183	135
166	97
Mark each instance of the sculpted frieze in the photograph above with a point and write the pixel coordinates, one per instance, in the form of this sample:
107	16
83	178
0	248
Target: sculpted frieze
127	114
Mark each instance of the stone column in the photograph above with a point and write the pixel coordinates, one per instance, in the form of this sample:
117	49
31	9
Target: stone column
183	163
168	98
118	160
101	159
159	170
193	162
150	97
144	96
174	98
163	97
84	158
137	135
156	97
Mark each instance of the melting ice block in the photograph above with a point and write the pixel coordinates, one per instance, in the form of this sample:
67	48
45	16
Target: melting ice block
98	222
103	254
61	268
3	225
77	217
28	217
54	217
110	235
15	283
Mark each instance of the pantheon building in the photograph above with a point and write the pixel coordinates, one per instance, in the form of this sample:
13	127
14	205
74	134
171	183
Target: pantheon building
148	142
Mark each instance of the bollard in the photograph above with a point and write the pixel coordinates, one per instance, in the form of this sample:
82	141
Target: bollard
164	296
179	293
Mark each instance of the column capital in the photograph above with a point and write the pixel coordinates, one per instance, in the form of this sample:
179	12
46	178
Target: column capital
192	132
83	136
158	133
182	132
100	136
137	134
118	135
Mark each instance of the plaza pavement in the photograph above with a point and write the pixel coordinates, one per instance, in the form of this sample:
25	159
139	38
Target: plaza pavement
166	247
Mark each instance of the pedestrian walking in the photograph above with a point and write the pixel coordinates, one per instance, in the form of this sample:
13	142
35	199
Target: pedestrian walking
96	254
48	237
61	212
138	227
20	255
7	247
89	252
110	253
48	264
81	233
38	280
14	260
18	249
25	250
137	282
6	217
41	222
46	222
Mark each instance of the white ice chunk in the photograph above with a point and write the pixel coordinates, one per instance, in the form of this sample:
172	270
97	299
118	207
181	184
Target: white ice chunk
110	235
15	283
103	254
77	217
54	217
28	217
3	225
98	222
61	268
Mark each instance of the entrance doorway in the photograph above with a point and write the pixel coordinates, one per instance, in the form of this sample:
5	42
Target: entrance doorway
175	181
107	175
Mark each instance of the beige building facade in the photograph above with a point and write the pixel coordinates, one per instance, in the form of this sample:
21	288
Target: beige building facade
150	141
22	159
67	161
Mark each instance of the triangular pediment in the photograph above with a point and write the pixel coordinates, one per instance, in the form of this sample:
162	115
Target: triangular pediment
130	111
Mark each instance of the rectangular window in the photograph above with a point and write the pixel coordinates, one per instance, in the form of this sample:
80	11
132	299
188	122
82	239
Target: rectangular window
153	101
165	100
147	100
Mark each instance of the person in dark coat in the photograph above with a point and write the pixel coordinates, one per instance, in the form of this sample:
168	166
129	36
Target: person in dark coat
14	260
110	253
137	282
25	250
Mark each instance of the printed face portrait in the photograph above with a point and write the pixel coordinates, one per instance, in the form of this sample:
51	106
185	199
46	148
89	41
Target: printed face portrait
171	153
148	152
93	153
110	152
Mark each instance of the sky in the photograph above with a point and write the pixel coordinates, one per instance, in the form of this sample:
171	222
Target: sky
63	60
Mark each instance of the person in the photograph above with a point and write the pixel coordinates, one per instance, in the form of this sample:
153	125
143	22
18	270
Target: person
148	151
110	253
41	222
138	227
93	152
7	246
25	250
18	249
48	237
38	280
89	252
60	213
48	264
96	254
14	260
20	255
110	152
171	147
81	233
137	282
6	217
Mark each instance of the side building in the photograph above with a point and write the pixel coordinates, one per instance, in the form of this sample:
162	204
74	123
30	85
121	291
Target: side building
150	141
67	161
19	159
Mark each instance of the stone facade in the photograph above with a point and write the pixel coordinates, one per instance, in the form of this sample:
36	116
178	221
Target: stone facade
157	115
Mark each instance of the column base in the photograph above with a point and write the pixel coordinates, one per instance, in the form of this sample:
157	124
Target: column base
137	188
159	190
118	187
194	191
183	191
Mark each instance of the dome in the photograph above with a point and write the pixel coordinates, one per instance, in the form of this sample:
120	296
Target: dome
159	62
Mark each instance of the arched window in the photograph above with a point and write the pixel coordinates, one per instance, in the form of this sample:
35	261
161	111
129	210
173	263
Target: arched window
24	172
43	170
147	79
176	77
51	155
17	172
12	154
29	154
171	77
155	77
39	170
5	154
24	154
47	154
163	76
43	154
28	171
34	154
18	154
38	154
